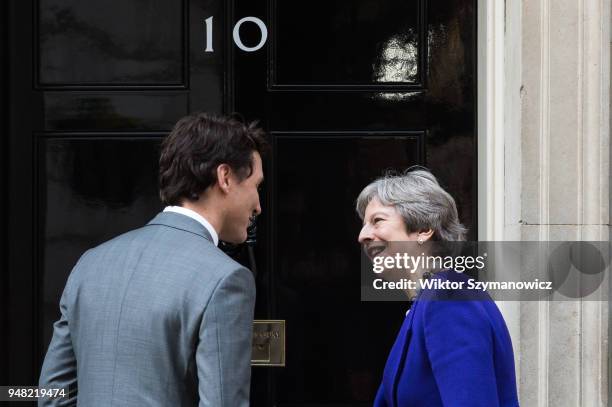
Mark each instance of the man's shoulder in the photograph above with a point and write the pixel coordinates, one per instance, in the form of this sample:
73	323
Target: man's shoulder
117	243
166	246
185	264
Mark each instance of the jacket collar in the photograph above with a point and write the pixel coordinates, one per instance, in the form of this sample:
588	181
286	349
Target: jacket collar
397	357
182	222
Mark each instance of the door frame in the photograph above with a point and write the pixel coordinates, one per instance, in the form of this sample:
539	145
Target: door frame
500	172
4	140
499	38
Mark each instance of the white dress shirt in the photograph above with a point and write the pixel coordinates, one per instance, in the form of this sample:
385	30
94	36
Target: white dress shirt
196	216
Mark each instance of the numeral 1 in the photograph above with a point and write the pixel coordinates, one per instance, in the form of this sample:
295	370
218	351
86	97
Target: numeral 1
209	34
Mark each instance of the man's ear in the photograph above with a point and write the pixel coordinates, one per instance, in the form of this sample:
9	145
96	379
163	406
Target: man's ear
224	173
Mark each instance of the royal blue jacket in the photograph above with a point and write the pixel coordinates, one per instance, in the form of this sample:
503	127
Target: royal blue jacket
453	350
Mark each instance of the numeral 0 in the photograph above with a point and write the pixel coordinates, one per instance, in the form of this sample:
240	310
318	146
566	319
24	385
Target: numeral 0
236	34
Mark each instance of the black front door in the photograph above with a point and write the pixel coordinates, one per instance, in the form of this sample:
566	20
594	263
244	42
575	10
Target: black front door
346	90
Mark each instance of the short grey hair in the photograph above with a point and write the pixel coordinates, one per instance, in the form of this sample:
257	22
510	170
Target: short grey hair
420	200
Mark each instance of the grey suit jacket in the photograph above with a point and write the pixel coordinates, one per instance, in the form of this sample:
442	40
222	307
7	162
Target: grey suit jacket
158	316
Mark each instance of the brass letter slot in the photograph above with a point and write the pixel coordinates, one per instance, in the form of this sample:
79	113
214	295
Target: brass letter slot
268	343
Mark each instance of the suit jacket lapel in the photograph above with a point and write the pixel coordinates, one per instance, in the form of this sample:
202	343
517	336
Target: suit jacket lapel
397	357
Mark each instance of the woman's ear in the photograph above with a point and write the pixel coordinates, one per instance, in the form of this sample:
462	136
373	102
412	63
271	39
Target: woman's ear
425	235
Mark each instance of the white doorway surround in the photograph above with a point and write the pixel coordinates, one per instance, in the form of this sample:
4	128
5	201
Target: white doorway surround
544	174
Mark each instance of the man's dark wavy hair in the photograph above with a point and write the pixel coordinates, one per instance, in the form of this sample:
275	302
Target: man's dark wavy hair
197	145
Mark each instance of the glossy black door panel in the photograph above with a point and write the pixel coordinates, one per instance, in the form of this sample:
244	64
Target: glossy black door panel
377	111
347	43
81	111
89	190
210	79
4	192
317	263
336	78
94	87
112	42
317	179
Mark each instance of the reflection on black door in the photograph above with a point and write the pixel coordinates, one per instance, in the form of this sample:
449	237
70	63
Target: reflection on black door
346	89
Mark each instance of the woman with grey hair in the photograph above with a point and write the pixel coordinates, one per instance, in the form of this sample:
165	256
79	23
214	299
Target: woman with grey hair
449	351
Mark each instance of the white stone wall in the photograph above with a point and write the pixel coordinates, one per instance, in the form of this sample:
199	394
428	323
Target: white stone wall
565	177
544	156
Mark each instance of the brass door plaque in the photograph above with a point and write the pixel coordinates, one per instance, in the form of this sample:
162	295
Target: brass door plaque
268	343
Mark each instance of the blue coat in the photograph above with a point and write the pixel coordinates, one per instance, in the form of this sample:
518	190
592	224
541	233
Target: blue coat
450	352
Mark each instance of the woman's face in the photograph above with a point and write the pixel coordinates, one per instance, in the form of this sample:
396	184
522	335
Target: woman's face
381	224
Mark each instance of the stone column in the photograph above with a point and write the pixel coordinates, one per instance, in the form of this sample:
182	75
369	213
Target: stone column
564	98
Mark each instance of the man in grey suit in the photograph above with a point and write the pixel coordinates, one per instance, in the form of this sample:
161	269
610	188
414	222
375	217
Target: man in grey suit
160	316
